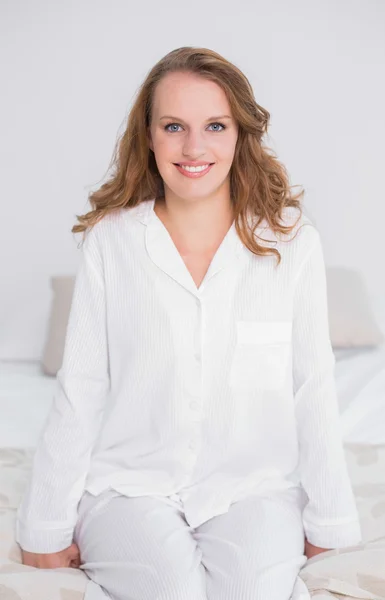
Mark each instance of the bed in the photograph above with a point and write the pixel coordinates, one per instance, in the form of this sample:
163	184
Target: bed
352	573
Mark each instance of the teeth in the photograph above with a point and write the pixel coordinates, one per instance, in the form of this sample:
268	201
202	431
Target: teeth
194	169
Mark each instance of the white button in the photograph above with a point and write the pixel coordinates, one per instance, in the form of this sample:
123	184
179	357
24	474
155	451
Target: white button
195	405
192	445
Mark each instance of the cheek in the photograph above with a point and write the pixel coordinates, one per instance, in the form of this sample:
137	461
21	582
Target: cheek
164	145
164	154
224	148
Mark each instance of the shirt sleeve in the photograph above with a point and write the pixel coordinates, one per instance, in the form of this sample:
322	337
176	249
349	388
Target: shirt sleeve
330	517
47	514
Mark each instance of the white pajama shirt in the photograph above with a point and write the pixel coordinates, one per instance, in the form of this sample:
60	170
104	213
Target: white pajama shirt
200	396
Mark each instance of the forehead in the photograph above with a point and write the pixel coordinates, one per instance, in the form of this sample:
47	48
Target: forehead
185	93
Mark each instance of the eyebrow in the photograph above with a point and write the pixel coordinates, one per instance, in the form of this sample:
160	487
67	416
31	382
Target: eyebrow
210	119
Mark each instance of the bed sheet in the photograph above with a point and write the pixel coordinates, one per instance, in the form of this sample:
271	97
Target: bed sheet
26	395
360	383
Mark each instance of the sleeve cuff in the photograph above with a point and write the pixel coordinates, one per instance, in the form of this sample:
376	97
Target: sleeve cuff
336	535
43	541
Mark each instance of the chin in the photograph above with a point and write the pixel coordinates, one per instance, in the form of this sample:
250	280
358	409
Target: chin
192	192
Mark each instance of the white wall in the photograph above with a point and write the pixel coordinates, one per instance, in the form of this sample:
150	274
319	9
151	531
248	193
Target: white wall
70	73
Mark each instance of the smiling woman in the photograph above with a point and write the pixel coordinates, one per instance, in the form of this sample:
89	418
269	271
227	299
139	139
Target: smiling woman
192	451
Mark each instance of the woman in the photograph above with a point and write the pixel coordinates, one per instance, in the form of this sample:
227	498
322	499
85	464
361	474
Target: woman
192	451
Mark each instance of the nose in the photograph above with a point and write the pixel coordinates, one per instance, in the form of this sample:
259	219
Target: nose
194	145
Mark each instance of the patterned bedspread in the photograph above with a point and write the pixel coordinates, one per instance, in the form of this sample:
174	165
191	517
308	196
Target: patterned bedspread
352	573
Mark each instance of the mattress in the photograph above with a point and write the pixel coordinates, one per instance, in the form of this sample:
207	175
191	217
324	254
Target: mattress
26	395
360	381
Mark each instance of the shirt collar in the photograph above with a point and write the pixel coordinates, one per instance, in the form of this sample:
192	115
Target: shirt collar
164	254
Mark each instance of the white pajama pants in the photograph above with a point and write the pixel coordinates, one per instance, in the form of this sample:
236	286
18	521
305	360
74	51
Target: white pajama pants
142	548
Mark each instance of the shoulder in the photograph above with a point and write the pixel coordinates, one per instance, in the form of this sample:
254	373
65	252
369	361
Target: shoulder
305	242
296	245
115	221
299	220
304	234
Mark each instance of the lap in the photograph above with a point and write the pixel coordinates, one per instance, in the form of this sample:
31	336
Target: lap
144	548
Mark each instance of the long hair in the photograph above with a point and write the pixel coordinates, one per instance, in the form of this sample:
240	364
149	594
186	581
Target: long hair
259	183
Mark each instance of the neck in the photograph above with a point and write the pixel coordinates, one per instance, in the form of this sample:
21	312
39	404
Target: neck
198	222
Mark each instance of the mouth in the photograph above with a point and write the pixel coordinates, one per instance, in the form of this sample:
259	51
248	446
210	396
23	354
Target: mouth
194	172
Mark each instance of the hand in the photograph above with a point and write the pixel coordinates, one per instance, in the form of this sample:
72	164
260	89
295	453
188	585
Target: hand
311	550
69	557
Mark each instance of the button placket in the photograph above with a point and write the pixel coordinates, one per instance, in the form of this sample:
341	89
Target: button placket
195	403
198	339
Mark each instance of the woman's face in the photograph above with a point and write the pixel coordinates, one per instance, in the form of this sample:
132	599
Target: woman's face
192	122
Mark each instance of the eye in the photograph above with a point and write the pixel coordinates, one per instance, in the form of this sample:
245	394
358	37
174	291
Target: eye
220	125
177	125
171	125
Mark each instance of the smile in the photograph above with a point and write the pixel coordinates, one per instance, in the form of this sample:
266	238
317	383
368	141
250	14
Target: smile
194	171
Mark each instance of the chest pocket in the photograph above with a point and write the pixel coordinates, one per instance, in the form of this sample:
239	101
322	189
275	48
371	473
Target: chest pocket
261	355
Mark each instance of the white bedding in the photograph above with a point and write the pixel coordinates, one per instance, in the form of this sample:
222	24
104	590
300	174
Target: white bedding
25	398
360	380
26	395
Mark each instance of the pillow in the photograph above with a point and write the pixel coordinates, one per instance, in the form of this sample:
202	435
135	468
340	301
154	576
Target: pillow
352	322
62	287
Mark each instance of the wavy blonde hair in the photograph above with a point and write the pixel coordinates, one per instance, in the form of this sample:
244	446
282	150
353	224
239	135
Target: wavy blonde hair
259	183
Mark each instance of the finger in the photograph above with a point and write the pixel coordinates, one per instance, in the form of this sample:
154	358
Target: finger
75	559
75	564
